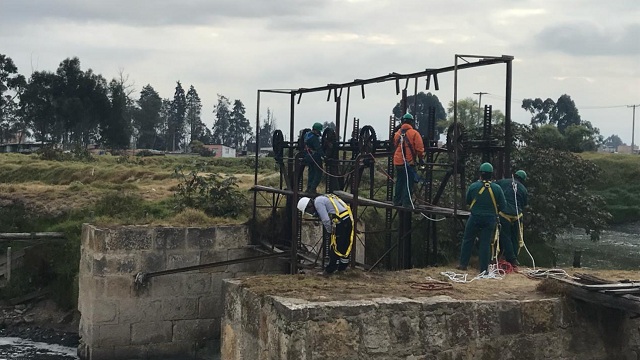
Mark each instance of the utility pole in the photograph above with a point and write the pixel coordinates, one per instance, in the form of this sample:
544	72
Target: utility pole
633	126
480	93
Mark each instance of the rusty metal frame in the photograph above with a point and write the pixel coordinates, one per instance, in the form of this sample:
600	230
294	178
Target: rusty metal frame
335	90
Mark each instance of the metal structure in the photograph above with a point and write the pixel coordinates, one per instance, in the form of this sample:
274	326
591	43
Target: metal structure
347	163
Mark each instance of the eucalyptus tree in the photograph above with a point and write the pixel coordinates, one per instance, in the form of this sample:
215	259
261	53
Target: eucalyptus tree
177	116
222	125
239	125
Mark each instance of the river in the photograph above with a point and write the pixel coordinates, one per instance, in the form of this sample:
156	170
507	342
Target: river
19	349
618	248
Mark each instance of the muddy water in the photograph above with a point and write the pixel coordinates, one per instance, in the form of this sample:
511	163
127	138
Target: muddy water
19	349
618	248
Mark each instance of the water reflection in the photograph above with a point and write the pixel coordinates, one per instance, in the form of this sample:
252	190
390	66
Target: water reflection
618	248
19	349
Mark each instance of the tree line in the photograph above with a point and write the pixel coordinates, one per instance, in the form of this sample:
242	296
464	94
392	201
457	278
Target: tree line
554	124
75	107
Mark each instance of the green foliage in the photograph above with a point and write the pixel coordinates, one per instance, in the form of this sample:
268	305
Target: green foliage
214	194
79	153
558	185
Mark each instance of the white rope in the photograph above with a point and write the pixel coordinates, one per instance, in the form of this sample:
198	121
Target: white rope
494	272
406	170
520	231
548	273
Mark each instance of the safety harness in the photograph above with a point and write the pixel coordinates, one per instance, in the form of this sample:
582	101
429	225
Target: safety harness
337	218
402	140
495	244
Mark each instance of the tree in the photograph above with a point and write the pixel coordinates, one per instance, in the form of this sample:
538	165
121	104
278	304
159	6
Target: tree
419	106
266	130
116	130
221	126
10	80
562	113
239	126
176	121
613	141
558	182
194	123
81	102
38	109
165	137
147	119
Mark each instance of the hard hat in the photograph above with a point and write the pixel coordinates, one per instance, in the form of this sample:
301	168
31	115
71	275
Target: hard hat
486	167
407	117
521	174
302	203
317	126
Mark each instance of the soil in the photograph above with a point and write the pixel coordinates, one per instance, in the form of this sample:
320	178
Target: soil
40	321
357	284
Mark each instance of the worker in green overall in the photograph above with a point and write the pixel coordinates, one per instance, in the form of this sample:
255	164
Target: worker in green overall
515	193
336	218
313	157
485	200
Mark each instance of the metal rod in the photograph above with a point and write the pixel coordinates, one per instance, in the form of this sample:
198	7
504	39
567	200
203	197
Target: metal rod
508	140
255	175
456	133
215	264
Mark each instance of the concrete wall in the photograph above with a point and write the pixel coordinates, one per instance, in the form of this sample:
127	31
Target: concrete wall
173	315
438	327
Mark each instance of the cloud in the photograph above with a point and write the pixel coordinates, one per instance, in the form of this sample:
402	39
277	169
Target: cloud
579	39
155	13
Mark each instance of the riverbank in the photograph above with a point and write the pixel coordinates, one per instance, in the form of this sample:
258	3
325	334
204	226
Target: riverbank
40	322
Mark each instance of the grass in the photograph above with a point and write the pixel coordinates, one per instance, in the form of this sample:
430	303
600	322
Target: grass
618	184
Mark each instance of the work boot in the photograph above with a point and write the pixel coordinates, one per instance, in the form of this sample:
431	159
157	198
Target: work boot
515	263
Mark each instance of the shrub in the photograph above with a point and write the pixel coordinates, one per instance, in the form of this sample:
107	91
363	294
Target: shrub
214	194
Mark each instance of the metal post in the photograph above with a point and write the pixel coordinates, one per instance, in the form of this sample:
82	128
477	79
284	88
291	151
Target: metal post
633	127
8	265
456	133
508	138
255	175
295	215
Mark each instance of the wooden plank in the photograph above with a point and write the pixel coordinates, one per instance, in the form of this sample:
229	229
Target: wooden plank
430	209
27	297
598	298
622	291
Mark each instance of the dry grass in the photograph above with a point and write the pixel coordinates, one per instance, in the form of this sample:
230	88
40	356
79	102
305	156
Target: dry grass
359	285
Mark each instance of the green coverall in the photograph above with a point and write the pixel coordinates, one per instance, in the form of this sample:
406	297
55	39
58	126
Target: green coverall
482	221
313	159
509	227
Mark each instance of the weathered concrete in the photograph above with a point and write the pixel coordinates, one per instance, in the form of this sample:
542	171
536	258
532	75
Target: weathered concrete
270	327
173	315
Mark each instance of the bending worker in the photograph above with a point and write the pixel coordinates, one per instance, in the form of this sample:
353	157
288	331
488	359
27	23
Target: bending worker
485	200
409	149
336	218
313	157
516	195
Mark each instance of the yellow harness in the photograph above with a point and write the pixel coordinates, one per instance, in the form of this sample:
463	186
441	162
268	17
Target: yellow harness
338	217
495	244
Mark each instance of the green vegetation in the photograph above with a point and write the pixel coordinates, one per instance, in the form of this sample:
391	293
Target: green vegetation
618	184
61	194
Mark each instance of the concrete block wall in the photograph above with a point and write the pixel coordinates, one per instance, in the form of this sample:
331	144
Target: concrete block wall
172	315
269	327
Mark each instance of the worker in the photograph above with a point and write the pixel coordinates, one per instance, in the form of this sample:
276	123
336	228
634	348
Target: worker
485	200
313	157
516	195
336	218
409	150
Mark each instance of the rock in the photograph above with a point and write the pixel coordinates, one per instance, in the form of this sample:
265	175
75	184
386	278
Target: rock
28	319
20	307
18	311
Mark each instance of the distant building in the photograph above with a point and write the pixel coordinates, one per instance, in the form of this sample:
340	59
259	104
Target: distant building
607	149
221	150
626	149
23	148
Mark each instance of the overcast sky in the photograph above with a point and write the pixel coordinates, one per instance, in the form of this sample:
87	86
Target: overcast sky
588	49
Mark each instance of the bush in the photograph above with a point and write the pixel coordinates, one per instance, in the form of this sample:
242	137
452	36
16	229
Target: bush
214	194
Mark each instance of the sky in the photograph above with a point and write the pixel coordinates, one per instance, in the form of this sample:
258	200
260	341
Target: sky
588	49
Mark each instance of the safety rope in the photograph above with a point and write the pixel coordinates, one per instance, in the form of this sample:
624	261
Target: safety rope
406	170
326	173
431	284
520	227
494	272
